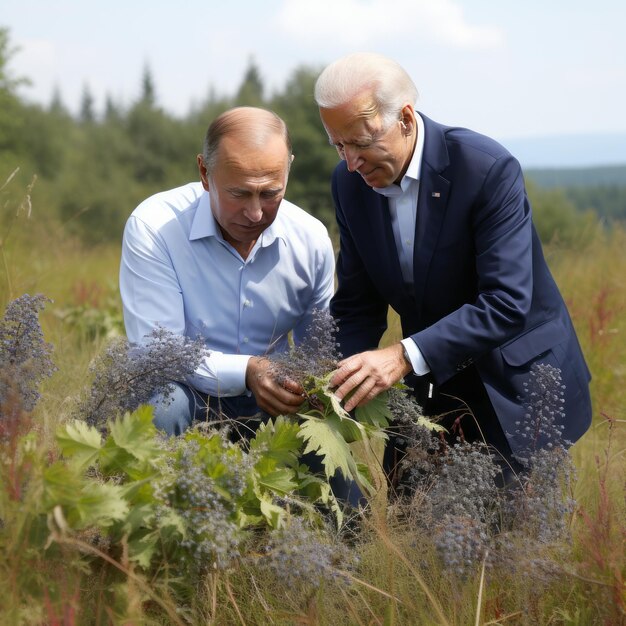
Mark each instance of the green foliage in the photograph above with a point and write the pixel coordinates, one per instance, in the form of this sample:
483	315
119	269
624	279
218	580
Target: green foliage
557	220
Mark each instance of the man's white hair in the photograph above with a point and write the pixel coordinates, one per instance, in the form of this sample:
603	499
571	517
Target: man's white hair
351	75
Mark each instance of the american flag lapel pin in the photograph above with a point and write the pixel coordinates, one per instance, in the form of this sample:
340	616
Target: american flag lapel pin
436	194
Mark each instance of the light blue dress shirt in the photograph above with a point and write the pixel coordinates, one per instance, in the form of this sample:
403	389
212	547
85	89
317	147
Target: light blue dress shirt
402	200
177	272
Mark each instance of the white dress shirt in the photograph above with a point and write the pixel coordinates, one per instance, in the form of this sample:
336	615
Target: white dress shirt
178	272
402	201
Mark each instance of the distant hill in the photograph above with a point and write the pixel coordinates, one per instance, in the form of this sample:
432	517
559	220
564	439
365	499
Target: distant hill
601	189
569	151
589	169
610	176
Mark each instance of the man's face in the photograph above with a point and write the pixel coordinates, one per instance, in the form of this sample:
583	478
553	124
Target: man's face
381	155
246	187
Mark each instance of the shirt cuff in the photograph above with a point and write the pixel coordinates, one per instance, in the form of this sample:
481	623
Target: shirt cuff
418	362
222	375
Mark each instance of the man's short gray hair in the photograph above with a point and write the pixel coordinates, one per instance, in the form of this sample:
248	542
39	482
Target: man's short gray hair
351	75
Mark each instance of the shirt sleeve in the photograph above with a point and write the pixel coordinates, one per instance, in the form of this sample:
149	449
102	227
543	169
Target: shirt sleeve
152	297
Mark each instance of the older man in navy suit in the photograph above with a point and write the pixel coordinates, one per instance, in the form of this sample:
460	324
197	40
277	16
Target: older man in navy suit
435	222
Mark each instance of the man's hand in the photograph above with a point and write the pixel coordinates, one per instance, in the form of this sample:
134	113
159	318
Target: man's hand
368	374
273	397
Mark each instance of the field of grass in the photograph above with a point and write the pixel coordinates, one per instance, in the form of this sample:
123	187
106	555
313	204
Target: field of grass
49	575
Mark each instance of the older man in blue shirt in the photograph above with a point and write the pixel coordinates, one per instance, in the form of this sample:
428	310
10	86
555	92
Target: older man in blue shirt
228	258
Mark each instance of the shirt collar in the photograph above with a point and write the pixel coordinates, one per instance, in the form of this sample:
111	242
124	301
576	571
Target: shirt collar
415	165
205	225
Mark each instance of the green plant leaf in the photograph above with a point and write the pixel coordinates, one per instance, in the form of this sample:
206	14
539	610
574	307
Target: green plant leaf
427	423
141	549
376	412
136	433
132	445
323	436
273	514
278	440
79	441
335	403
280	480
85	502
103	503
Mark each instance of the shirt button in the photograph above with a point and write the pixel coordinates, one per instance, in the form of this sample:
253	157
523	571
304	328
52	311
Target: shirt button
246	303
245	340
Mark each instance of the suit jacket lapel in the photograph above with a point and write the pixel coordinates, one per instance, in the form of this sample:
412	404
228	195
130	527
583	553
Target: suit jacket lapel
432	203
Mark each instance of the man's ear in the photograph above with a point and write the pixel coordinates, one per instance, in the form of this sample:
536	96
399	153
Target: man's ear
407	119
204	177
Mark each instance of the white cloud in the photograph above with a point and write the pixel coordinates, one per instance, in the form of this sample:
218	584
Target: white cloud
354	23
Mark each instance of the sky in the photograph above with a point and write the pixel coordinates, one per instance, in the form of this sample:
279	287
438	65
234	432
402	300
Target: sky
507	69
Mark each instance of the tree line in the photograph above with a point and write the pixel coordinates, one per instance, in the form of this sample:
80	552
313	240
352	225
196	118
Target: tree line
92	168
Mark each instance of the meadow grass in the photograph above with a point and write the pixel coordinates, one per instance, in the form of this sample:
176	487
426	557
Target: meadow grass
399	578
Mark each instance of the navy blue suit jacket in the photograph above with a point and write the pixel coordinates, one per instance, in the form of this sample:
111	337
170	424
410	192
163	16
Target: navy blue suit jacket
483	296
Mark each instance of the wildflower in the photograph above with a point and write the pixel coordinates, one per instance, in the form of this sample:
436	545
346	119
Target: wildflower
315	356
126	376
24	356
212	536
298	555
543	402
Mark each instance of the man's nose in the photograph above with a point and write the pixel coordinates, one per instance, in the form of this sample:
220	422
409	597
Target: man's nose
353	158
253	210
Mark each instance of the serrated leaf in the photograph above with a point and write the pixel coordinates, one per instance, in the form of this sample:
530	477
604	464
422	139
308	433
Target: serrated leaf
323	436
136	433
335	402
138	516
61	486
103	503
273	513
336	508
142	549
132	445
85	502
313	488
278	440
245	519
281	480
336	405
171	522
427	423
80	442
376	412
351	430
